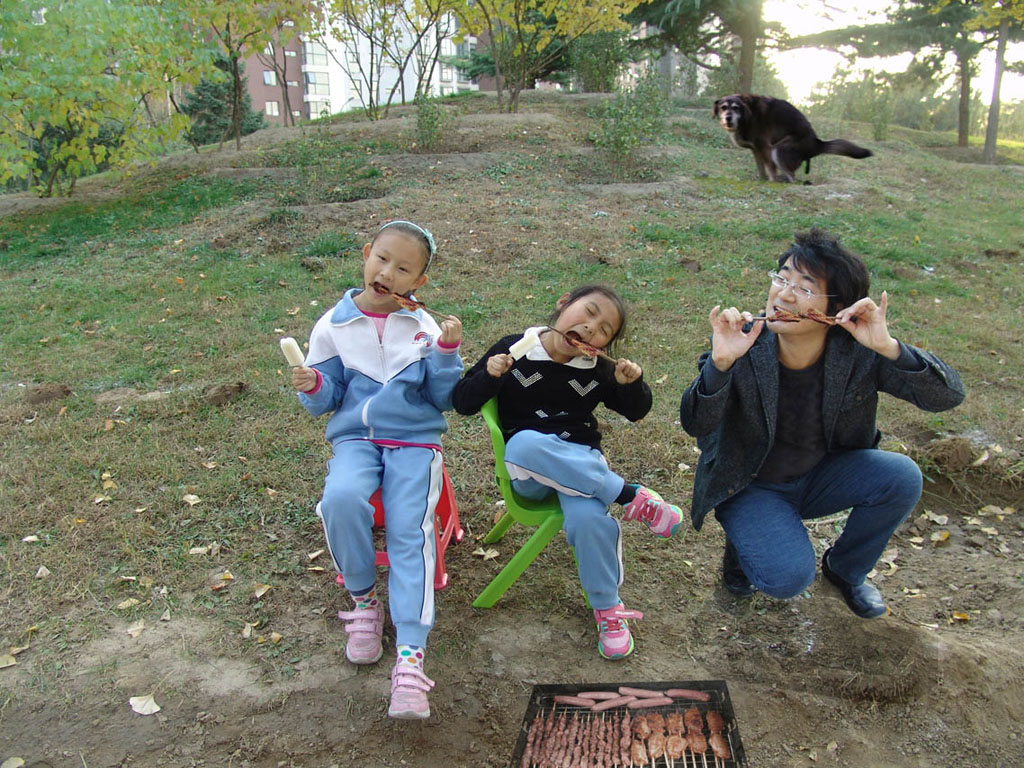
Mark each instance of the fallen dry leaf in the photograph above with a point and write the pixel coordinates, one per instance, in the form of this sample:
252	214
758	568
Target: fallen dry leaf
939	537
191	499
7	660
314	555
12	762
43	572
137	628
960	616
198	550
124	605
144	705
30	539
166	615
261	590
486	554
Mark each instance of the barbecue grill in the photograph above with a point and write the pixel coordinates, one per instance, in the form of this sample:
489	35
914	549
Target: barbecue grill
542	704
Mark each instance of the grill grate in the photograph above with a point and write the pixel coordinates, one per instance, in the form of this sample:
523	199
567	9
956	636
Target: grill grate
542	702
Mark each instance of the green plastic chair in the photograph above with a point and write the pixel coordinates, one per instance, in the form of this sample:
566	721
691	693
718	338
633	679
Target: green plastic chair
545	515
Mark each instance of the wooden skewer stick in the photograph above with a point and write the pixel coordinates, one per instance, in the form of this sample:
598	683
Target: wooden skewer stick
574	343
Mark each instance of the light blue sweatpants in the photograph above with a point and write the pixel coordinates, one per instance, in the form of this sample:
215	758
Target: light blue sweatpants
540	464
410	483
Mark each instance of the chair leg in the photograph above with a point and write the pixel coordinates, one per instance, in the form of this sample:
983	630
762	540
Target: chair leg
519	562
500	529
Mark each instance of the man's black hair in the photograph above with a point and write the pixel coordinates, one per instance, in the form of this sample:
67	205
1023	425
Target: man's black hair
822	255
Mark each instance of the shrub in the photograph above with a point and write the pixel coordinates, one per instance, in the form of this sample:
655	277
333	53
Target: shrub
633	117
431	122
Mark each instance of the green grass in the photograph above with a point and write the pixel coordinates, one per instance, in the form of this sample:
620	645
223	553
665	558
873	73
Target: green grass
174	286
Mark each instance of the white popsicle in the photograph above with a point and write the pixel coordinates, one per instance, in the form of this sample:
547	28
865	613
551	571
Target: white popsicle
524	345
292	351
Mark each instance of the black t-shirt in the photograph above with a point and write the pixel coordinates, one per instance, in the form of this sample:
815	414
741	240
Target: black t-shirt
799	433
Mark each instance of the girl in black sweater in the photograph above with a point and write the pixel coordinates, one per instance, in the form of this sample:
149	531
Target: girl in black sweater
546	401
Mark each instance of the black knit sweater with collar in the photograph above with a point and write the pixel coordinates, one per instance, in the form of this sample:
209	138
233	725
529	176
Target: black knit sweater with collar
554	398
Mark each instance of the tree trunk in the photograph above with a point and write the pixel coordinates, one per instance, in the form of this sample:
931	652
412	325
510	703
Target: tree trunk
751	28
286	101
963	115
992	129
236	108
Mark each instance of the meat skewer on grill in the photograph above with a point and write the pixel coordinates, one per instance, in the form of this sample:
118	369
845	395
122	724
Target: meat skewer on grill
695	740
719	744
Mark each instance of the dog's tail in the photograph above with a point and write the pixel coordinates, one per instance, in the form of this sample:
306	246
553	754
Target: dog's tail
844	147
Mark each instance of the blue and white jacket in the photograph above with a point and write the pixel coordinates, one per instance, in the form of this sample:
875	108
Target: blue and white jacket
393	388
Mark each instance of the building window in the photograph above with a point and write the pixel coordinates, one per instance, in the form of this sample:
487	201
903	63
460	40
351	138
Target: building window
446	73
314	53
287	23
353	56
269	77
269	50
317	84
291	53
447	90
272	108
293	83
296	113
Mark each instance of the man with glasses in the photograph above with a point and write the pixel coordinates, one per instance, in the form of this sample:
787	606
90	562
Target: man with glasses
783	410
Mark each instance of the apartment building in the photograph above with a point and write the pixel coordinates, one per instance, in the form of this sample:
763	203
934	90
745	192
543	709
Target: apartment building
323	75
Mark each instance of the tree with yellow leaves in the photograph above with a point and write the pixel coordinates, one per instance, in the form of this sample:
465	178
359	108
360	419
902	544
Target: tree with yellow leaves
527	36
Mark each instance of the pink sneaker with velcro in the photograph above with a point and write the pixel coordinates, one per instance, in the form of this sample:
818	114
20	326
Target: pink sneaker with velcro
365	627
409	687
657	514
614	640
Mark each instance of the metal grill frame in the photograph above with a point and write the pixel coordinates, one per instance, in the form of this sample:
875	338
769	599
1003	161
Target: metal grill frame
542	701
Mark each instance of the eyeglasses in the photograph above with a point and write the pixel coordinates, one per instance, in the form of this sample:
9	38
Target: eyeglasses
780	282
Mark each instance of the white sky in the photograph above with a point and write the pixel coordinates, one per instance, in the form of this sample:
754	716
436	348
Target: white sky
802	70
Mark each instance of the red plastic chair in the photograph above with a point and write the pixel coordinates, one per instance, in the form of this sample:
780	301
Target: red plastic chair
446	528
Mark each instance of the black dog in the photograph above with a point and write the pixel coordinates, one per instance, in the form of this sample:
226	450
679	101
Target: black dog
778	134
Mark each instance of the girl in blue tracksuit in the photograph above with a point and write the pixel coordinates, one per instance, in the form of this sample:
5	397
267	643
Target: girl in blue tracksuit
385	374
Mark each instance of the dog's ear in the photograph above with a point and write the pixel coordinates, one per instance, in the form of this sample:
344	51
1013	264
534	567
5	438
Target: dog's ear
718	104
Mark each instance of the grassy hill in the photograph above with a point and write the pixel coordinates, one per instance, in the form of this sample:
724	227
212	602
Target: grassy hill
140	371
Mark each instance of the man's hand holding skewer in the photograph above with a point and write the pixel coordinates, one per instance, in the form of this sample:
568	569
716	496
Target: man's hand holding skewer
728	340
865	321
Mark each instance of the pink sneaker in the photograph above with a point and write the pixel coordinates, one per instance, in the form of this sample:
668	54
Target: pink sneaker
613	638
661	517
364	630
409	688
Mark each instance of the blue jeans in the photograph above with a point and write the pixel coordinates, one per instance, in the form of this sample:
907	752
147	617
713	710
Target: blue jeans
764	521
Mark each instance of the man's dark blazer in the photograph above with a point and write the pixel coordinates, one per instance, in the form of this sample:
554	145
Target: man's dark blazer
735	425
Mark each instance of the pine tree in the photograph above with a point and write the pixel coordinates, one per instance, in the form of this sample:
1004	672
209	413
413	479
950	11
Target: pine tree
209	107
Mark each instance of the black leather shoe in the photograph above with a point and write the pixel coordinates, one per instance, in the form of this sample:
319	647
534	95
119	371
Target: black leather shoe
733	577
864	599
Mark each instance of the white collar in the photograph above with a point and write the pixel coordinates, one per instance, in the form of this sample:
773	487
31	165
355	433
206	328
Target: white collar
539	353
